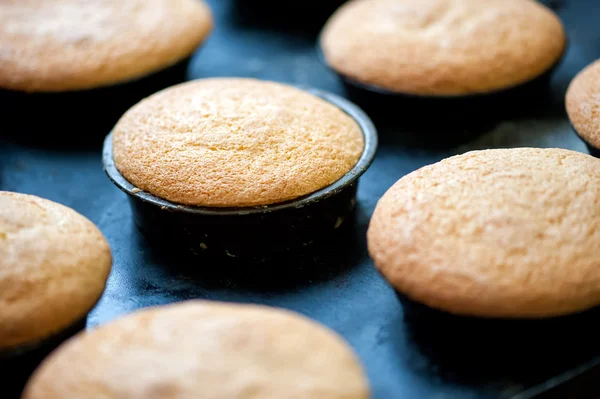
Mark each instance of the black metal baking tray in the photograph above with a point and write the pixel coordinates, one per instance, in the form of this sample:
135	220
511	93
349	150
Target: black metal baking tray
338	285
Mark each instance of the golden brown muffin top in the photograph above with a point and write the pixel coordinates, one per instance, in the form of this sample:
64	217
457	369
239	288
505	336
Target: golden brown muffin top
583	103
203	349
61	45
506	233
443	47
54	264
232	142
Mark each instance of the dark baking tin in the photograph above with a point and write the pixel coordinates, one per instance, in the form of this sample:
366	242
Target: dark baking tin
19	363
427	110
73	115
251	233
592	150
514	337
516	344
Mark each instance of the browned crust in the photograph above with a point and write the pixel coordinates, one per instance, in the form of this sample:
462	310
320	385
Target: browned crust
219	350
498	233
54	264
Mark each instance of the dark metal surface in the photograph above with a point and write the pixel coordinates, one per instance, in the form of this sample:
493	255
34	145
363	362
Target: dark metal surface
340	288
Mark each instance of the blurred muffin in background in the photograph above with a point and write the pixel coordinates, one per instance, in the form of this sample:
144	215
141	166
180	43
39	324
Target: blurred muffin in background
207	350
70	62
442	47
235	142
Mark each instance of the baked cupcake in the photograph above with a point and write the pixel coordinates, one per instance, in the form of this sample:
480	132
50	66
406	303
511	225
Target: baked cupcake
99	57
54	264
505	234
216	349
233	166
583	101
441	49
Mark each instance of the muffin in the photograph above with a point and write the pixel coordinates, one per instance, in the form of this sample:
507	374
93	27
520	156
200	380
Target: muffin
507	233
582	102
54	264
234	143
216	349
243	153
442	47
74	48
67	45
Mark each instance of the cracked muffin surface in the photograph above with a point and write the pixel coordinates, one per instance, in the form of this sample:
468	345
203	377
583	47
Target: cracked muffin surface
583	103
494	233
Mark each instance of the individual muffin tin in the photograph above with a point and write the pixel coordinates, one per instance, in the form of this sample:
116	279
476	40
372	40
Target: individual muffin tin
251	233
533	347
73	115
559	340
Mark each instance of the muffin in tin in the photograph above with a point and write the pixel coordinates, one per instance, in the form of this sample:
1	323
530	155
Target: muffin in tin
238	167
211	349
426	53
582	102
502	234
90	61
54	264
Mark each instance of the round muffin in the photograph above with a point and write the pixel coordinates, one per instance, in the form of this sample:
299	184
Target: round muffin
583	104
54	264
443	47
511	233
231	142
66	45
203	349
